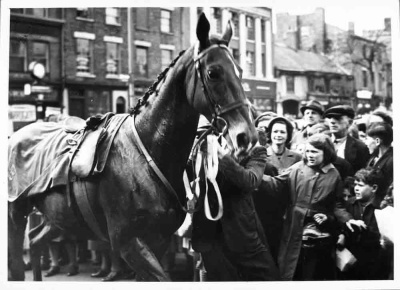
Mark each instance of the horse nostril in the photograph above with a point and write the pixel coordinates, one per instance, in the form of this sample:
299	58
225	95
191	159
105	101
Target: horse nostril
242	140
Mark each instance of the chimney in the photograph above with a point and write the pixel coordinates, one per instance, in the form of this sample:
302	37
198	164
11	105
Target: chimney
351	28
388	24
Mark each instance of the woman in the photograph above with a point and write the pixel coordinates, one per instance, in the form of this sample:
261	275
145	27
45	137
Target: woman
280	132
314	199
271	212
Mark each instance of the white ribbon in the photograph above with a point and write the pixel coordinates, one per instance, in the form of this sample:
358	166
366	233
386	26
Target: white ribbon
211	171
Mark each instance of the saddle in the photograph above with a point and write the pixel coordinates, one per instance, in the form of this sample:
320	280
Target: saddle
86	140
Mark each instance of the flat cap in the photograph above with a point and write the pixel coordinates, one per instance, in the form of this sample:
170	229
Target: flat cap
313	105
341	110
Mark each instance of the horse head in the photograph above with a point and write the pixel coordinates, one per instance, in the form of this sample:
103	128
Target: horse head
216	90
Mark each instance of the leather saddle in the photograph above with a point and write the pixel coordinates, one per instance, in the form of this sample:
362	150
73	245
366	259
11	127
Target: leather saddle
86	140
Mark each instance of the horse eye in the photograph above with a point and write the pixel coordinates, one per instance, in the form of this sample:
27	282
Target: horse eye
213	74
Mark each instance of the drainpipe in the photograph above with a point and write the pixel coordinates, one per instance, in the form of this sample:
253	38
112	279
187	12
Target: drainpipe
131	91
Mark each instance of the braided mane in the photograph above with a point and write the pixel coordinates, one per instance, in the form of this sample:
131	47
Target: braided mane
143	100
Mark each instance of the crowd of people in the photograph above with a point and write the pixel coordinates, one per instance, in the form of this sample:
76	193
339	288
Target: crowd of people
301	197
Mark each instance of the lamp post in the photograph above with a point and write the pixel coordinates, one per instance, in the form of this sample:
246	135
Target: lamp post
38	71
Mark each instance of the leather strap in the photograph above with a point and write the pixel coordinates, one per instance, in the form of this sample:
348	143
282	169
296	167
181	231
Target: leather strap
153	165
81	195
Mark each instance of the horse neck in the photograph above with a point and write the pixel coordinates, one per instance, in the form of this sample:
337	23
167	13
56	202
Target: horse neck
167	125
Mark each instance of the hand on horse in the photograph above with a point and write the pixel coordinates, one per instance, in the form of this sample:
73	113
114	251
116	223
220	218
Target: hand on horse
222	150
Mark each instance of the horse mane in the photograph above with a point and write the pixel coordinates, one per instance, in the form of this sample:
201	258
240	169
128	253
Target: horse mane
150	90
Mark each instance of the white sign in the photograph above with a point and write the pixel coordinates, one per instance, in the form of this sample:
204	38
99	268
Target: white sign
364	94
52	111
22	113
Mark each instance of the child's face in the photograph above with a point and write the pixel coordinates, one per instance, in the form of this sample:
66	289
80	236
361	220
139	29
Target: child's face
314	156
364	192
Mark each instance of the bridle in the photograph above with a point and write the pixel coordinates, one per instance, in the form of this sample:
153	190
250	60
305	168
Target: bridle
217	112
216	109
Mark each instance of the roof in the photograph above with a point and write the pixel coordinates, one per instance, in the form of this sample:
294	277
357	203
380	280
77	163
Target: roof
289	59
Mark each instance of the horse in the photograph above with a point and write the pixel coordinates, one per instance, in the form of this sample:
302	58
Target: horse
140	210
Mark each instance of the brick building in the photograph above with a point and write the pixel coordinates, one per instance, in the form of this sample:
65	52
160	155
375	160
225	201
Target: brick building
305	75
35	36
364	57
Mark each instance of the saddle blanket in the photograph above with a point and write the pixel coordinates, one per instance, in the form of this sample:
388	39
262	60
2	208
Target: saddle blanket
39	156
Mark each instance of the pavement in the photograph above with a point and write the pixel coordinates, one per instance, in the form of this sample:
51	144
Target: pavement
85	269
180	271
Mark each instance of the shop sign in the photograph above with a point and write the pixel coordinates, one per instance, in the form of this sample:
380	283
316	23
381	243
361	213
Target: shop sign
22	113
364	94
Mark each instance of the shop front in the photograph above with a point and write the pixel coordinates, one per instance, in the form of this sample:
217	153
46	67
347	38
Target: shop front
261	93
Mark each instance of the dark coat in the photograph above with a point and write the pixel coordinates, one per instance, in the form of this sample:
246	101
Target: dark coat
356	153
385	165
238	233
364	244
287	159
344	167
310	192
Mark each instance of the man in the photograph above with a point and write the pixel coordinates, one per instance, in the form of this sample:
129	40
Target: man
353	150
312	114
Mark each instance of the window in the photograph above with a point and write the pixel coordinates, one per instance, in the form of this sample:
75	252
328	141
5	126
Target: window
40	53
235	21
165	21
84	12
84	59
141	61
290	84
18	55
263	65
250	63
365	78
166	58
142	18
113	58
250	27
40	12
262	31
113	16
216	19
236	54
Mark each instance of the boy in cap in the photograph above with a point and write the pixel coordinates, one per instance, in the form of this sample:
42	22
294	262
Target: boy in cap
353	150
312	114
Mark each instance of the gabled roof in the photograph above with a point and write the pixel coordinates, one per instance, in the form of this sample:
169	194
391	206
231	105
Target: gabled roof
289	59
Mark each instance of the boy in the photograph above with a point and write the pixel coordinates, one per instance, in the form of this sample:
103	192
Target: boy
364	242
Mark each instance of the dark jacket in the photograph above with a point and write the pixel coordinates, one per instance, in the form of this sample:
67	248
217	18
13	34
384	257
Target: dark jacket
356	153
239	224
385	165
364	244
344	167
310	192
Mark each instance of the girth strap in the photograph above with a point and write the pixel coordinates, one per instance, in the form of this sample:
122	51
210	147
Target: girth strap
153	165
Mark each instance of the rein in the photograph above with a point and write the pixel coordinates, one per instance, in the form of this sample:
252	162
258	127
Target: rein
211	165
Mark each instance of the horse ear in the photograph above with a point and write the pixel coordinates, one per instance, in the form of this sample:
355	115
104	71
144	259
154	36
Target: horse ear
228	32
202	30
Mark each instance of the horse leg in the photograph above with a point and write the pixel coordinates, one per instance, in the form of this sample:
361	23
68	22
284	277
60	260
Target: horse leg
38	241
58	218
17	220
143	261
